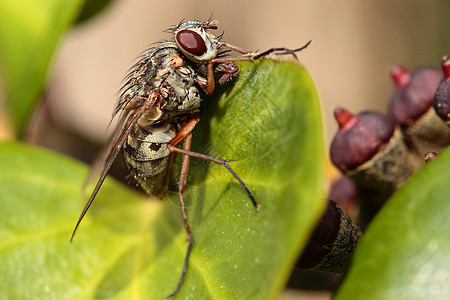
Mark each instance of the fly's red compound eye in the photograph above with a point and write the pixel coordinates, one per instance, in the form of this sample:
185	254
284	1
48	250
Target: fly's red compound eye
191	42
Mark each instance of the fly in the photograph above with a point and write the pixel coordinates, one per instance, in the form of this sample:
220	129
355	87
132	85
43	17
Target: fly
159	107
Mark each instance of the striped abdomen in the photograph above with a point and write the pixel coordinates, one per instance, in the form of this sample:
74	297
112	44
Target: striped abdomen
147	156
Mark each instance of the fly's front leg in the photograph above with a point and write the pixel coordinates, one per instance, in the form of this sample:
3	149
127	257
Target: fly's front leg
225	66
256	55
247	56
225	63
282	51
235	48
228	70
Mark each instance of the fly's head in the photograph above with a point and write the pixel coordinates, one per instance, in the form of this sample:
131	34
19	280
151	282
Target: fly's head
195	42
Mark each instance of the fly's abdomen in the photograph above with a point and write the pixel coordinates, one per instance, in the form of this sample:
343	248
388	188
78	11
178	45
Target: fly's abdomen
147	156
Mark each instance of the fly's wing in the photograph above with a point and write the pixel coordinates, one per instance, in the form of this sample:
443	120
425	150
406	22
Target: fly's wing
130	93
118	142
101	159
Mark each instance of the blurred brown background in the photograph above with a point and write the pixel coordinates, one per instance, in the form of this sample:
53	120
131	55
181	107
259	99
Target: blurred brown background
355	42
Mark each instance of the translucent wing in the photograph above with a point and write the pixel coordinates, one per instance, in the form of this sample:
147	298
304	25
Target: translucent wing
101	159
117	145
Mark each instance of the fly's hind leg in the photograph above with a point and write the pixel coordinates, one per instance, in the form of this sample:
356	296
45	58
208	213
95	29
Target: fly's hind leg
186	131
181	188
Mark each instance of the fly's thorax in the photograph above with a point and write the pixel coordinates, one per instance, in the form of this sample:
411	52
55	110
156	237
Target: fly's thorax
182	93
167	69
179	81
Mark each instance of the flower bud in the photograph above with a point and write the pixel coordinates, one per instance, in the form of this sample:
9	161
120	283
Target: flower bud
368	149
411	108
331	245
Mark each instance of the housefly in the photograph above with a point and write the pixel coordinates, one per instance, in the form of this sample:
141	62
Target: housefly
159	107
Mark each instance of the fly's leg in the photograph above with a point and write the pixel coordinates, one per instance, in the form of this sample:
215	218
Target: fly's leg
255	55
228	70
183	133
234	48
247	56
282	51
181	188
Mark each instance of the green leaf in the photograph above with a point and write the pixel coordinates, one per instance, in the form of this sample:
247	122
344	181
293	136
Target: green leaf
130	247
405	253
29	32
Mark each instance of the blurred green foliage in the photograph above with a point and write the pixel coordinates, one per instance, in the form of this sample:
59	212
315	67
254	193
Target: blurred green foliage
29	33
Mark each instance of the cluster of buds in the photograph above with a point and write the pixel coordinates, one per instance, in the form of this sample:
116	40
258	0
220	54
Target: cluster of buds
376	154
420	106
380	152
